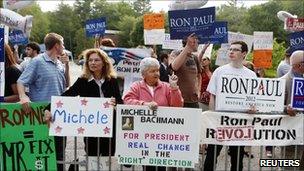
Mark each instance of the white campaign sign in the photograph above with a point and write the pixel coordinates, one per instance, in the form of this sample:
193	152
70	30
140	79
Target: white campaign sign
222	57
154	36
126	60
16	21
128	67
235	129
240	93
81	116
262	40
171	44
208	51
165	137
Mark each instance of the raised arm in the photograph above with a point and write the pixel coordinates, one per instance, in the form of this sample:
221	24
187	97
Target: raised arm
190	47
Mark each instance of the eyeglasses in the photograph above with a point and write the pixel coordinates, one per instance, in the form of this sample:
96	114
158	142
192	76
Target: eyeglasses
204	59
234	49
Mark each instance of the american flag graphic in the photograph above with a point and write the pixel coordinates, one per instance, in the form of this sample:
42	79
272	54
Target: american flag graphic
119	54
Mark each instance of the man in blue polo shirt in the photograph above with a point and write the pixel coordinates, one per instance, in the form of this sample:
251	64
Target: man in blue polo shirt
46	76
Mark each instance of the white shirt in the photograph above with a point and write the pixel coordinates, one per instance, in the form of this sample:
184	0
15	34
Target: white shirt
151	89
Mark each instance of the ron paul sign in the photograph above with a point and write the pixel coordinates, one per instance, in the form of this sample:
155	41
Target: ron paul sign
297	95
255	130
240	93
184	22
294	24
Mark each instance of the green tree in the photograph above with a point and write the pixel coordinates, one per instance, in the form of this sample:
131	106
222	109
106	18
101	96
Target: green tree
126	26
41	22
137	34
64	22
82	42
264	18
235	16
295	7
113	12
83	10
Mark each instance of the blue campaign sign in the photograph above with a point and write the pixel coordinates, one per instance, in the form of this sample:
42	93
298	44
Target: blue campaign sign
297	95
16	37
220	34
1	64
95	26
296	41
182	23
1	44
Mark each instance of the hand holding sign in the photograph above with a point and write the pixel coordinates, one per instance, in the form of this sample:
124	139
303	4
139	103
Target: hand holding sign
192	43
25	102
152	105
290	111
48	117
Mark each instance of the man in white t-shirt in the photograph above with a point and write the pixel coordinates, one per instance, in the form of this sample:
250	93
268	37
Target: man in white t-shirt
237	54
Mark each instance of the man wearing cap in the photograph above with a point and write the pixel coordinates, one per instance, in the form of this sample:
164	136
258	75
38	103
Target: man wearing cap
296	70
284	65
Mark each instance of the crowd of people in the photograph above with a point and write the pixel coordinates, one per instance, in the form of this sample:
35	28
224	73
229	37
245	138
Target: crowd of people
178	79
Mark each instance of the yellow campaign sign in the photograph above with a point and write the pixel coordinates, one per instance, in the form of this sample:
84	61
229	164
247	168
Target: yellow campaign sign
154	21
262	58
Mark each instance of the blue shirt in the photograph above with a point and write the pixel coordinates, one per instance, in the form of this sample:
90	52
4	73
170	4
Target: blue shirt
44	77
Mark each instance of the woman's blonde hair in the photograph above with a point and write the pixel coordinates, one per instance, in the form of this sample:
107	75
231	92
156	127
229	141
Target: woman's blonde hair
107	71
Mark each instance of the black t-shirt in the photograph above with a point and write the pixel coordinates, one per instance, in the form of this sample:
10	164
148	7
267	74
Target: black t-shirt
11	76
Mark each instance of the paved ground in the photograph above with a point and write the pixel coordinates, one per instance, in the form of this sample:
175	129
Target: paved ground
224	160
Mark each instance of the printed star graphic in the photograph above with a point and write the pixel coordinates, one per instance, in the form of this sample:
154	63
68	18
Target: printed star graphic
106	130
106	105
83	102
58	129
80	130
59	104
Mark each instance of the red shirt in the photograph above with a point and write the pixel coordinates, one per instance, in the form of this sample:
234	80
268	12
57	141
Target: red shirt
205	96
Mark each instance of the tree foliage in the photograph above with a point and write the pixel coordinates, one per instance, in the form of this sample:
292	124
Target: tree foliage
65	26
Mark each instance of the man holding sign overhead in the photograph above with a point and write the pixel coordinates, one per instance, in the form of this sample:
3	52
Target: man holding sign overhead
187	68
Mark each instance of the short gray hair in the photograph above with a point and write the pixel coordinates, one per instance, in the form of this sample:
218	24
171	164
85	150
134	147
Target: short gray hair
146	63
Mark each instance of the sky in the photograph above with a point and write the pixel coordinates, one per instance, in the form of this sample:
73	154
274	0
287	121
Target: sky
157	5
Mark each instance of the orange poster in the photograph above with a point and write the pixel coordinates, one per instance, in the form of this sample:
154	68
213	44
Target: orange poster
154	21
262	58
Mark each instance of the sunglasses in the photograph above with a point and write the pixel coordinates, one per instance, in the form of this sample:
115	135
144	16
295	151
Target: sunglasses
204	59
